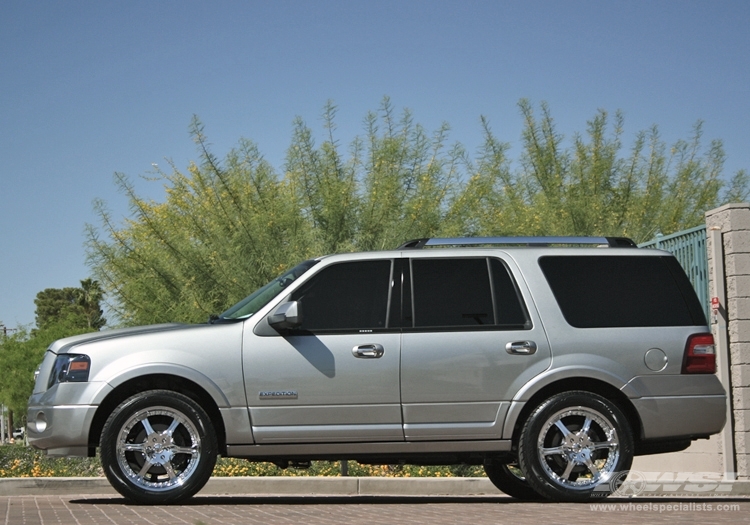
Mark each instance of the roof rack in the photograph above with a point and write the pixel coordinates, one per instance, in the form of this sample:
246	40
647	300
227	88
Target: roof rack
612	242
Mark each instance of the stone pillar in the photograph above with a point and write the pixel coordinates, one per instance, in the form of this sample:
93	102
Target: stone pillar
733	220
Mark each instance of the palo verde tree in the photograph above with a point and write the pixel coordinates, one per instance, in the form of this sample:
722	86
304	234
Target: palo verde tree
227	226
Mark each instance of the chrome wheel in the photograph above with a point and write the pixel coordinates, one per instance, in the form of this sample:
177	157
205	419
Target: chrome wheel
578	448
158	446
575	446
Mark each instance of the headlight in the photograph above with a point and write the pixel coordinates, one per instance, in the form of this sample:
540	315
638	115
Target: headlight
70	368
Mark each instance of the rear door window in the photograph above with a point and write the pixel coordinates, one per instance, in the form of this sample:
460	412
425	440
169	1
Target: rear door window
465	293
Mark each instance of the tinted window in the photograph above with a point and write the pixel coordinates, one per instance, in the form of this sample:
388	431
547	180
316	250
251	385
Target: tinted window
510	311
346	296
459	293
628	291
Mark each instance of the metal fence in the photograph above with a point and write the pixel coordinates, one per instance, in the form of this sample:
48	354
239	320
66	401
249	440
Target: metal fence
689	247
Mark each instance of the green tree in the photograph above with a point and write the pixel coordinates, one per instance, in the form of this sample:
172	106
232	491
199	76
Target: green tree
592	188
21	353
225	227
78	307
60	312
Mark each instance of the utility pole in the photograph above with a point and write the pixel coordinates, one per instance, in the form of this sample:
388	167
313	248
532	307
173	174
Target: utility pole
5	330
5	428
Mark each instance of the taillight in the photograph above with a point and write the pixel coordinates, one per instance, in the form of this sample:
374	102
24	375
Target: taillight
700	355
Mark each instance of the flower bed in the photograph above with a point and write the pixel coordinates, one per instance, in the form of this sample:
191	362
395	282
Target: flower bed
17	461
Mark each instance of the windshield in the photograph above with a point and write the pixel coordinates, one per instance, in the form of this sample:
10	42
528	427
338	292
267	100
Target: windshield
262	296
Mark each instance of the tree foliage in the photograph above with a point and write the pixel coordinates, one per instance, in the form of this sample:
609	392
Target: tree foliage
60	312
75	307
21	353
225	227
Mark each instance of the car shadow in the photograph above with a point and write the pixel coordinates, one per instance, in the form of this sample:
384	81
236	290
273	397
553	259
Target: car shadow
197	501
307	500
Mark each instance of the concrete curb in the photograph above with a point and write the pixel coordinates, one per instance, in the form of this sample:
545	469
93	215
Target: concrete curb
265	485
343	486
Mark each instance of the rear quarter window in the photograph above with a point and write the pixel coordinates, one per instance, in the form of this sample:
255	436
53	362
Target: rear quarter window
622	291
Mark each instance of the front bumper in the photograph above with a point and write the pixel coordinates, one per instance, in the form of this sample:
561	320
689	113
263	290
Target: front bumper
59	419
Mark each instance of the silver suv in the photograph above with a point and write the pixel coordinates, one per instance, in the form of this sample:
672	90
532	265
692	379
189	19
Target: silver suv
551	365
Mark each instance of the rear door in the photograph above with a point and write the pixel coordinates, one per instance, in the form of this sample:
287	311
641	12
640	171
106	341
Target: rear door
470	341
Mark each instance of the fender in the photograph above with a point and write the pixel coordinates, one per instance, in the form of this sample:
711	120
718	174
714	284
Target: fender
557	374
166	369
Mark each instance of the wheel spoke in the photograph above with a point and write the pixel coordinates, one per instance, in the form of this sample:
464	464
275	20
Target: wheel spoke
552	451
559	424
192	451
568	470
144	470
605	444
586	425
133	447
170	471
147	426
172	427
592	468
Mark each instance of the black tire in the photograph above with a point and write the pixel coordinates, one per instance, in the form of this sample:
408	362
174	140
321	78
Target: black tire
158	446
575	446
509	479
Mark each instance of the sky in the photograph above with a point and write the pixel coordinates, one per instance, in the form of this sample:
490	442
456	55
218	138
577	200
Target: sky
91	88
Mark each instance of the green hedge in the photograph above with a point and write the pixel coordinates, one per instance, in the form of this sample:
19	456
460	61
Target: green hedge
18	461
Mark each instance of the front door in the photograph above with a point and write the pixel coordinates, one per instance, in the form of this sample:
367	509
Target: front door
336	378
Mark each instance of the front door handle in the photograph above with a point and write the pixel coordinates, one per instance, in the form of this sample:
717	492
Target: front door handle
373	351
521	347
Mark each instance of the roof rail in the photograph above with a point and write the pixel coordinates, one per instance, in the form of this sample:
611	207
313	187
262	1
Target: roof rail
612	242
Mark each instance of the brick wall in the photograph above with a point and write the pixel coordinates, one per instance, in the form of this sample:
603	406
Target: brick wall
733	221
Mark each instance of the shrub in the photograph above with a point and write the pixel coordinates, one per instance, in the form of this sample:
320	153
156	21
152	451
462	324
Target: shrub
17	461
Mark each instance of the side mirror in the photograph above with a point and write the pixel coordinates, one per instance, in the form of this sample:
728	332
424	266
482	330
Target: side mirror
286	316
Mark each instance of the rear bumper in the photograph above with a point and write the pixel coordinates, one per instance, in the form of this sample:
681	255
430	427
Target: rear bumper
681	416
677	406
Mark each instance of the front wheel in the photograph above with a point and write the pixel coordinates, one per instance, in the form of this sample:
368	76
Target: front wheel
158	446
575	446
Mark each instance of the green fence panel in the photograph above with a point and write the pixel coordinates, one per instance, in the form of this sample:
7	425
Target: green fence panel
689	247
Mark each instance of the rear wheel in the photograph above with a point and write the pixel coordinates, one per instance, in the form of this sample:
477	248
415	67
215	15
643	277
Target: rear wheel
575	446
509	479
158	446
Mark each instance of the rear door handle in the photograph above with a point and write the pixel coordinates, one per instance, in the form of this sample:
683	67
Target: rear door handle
373	351
521	347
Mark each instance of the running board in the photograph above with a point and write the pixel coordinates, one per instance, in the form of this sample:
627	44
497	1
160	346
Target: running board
353	450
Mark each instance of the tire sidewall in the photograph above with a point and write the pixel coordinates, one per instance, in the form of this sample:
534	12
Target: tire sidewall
529	460
144	400
509	483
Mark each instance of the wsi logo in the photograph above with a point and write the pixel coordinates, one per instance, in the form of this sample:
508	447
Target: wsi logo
632	483
628	484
